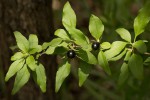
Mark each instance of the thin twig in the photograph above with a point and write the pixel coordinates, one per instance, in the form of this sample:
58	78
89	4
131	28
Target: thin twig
146	53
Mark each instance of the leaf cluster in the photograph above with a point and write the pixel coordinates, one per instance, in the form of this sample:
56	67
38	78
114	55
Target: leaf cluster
25	62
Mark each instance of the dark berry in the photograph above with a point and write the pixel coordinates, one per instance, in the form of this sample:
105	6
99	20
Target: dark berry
71	54
95	45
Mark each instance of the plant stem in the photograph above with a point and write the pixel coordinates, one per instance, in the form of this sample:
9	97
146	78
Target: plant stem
146	53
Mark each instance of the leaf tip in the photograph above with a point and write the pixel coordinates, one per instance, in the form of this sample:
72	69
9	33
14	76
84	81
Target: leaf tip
43	90
56	90
67	4
6	79
16	33
80	84
13	92
92	15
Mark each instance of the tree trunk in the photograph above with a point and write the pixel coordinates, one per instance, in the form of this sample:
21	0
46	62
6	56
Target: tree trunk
28	17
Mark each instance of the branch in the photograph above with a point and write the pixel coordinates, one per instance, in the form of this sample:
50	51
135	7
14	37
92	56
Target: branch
146	53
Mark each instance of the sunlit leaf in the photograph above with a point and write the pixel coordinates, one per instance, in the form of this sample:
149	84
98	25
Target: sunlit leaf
142	20
50	50
21	79
115	49
124	34
62	34
14	68
83	72
105	45
37	49
61	74
55	42
63	44
33	43
96	27
118	56
69	17
33	40
128	55
79	37
41	77
60	48
17	56
30	61
103	62
45	45
22	42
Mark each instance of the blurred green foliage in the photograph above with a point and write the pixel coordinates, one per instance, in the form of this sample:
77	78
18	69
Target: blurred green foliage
114	14
99	86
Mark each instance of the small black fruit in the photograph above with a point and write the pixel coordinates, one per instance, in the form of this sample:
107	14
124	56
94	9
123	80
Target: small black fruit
95	45
71	54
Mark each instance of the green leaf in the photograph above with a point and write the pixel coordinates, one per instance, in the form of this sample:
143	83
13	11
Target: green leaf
145	41
39	48
88	48
103	62
60	50
82	76
128	55
79	37
147	61
96	27
50	50
13	47
105	45
124	34
140	46
83	72
36	49
62	34
22	42
118	56
17	56
124	74
41	77
87	56
63	46
136	66
45	45
115	49
21	79
33	43
69	17
14	68
61	74
34	76
55	42
142	20
30	61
